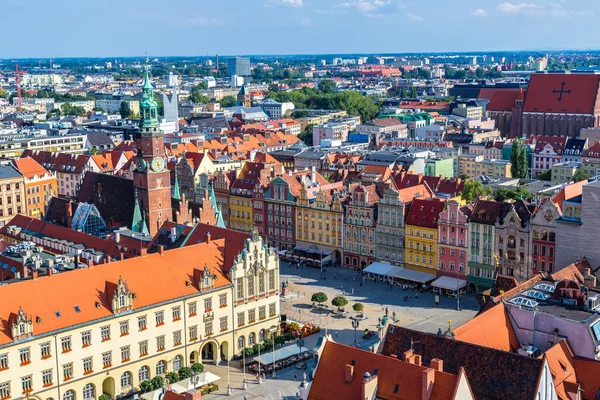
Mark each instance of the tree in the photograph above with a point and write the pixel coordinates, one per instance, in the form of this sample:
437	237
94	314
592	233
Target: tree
293	326
464	177
146	386
518	160
319	297
124	110
504	194
203	85
184	372
327	86
474	189
545	176
197	367
358	307
306	135
198	97
413	93
68	109
172	377
579	175
94	151
98	109
228	101
339	301
157	382
3	94
403	93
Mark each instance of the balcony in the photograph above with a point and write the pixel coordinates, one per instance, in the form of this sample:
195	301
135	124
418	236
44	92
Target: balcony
208	317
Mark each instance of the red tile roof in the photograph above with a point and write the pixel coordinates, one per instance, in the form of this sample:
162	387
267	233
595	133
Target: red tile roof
501	99
558	143
425	212
396	379
568	192
154	278
588	372
412	192
582	98
560	361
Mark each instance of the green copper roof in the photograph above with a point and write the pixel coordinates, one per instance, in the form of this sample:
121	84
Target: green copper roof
176	194
220	222
213	199
137	223
148	105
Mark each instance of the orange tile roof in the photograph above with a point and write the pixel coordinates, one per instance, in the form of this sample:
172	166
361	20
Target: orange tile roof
588	372
568	192
560	361
103	162
408	194
29	167
581	97
329	382
491	328
154	278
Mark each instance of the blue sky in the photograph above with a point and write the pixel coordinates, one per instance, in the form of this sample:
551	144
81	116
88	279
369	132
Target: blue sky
69	28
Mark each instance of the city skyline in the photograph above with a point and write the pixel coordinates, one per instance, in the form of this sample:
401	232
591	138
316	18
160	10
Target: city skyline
120	29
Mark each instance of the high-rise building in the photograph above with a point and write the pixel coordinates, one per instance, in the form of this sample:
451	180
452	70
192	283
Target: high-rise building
151	179
239	66
171	105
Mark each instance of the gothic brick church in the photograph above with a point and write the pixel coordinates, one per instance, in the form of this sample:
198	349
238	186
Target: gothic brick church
554	104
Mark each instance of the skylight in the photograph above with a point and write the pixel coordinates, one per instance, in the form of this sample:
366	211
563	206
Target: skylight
77	309
523	302
536	295
546	287
57	313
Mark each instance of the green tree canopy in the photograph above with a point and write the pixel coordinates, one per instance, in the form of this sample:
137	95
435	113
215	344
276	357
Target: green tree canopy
518	160
319	297
3	94
358	307
198	97
545	176
473	189
339	301
228	101
68	109
504	194
124	110
306	135
579	175
327	86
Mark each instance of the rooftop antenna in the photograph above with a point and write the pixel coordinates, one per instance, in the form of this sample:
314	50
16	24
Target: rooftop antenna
412	343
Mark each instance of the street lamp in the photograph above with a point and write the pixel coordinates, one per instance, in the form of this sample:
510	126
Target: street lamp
259	361
355	324
273	331
321	254
300	343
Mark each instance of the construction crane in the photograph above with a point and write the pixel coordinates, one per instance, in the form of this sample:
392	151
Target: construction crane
18	74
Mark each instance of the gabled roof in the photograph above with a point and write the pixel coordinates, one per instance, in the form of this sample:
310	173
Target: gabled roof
568	192
588	371
425	212
493	374
593	151
501	99
491	328
578	97
112	195
486	212
558	143
407	194
29	167
560	361
154	278
396	379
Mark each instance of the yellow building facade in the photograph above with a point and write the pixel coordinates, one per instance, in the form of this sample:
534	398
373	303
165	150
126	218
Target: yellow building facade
104	330
240	213
421	243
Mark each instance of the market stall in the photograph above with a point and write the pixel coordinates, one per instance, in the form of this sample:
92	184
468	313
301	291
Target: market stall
449	285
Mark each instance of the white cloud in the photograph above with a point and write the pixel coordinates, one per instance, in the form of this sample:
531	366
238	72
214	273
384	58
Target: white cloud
374	8
480	12
414	17
292	3
521	8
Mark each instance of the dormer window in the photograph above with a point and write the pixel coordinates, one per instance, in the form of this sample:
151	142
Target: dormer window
122	297
22	325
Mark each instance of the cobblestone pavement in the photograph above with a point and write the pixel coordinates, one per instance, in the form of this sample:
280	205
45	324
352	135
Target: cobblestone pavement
416	313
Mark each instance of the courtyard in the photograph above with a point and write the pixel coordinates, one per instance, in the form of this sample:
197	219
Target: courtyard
411	311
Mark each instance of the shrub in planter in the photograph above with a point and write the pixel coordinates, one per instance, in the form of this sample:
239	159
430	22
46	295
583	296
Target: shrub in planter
172	377
104	397
248	351
358	307
184	372
157	382
146	386
279	340
197	367
293	326
289	337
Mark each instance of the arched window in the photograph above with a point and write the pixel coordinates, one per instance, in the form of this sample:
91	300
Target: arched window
161	367
89	392
251	339
261	335
122	300
69	395
241	342
177	361
144	374
125	380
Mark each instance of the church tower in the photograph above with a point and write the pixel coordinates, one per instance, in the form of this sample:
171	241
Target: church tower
151	178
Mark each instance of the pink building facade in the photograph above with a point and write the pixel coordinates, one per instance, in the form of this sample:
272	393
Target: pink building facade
453	239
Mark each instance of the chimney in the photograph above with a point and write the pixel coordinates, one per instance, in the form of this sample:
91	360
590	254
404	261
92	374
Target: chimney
90	263
173	234
117	237
437	364
34	274
313	175
143	252
349	373
207	237
427	381
369	387
193	394
416	359
25	272
121	256
161	249
408	355
50	270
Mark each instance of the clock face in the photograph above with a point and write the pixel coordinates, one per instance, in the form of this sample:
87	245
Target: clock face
141	164
158	164
548	216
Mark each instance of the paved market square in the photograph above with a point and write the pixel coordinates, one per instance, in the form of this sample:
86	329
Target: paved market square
419	313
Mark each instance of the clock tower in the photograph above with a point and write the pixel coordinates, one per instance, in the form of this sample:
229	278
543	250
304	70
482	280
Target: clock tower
151	178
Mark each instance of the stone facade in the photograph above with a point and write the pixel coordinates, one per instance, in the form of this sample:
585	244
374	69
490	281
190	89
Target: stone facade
359	227
389	233
453	239
513	242
543	238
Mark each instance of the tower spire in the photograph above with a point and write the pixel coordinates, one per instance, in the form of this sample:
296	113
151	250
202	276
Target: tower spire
176	194
137	223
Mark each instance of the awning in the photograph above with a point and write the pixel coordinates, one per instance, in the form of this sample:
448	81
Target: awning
412	275
267	357
203	378
449	283
379	268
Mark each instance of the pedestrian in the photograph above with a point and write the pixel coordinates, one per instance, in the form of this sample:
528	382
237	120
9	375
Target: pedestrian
361	283
295	377
352	290
335	276
336	334
304	376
